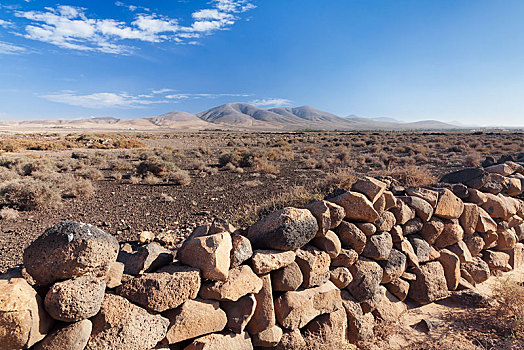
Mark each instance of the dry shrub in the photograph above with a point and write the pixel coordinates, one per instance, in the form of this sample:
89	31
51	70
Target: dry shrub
151	179
91	174
81	188
411	175
472	160
340	178
28	194
9	214
134	180
155	166
180	177
116	175
266	167
509	295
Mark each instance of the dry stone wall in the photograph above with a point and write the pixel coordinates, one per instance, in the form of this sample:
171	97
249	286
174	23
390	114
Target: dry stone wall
338	264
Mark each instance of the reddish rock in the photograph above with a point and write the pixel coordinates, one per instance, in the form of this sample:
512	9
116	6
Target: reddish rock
369	186
340	276
357	206
451	264
478	269
469	218
403	213
287	279
69	336
351	236
430	283
264	315
346	258
239	312
230	341
431	230
330	244
264	261
449	206
451	234
241	250
398	288
241	281
314	265
496	260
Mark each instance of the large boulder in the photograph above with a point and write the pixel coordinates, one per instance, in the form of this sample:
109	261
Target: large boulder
471	177
449	206
121	325
241	281
285	229
76	299
23	320
371	187
357	206
70	249
296	309
163	290
194	318
68	336
430	283
209	253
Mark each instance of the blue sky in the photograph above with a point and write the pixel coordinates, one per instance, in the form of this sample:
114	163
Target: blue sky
406	59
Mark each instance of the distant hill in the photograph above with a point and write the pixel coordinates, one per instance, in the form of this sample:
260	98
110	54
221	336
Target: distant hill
236	116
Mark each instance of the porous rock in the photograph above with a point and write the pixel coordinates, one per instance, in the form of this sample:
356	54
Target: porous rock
241	281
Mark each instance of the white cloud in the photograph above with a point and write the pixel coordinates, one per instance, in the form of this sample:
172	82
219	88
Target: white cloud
271	102
10	49
5	24
101	100
198	96
70	27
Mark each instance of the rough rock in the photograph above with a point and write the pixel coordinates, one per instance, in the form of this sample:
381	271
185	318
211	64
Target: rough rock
496	206
360	326
461	250
321	212
333	325
70	336
449	206
264	261
399	288
268	338
478	269
336	213
501	169
430	283
389	308
423	209
239	312
134	329
412	226
288	278
429	195
76	299
70	249
507	239
23	320
194	318
241	250
297	308
148	258
367	227
431	230
516	256
386	221
357	206
371	187
451	234
291	340
314	265
469	218
403	213
346	258
393	267
451	264
230	341
485	222
421	248
113	278
378	246
340	276
146	237
496	260
351	236
241	281
406	248
285	229
264	315
475	243
471	177
210	254
330	244
163	290
367	275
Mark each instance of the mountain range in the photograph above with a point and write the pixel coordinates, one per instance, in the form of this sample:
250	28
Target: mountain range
237	116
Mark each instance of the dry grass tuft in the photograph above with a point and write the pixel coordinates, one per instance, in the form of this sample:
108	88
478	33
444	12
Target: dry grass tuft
9	214
411	175
509	294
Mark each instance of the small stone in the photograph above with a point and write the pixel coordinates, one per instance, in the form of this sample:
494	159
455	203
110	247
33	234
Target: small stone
495	206
285	229
340	276
393	267
239	312
241	250
330	244
403	213
194	318
268	338
241	281
211	254
133	329
421	248
449	206
146	237
264	261
360	326
76	299
296	309
506	239
113	278
148	258
431	230
451	264
371	187
389	308
163	290
357	206
346	258
516	256
367	275
367	227
264	315
351	236
70	336
288	278
378	246
430	284
314	265
329	328
230	341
